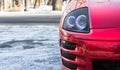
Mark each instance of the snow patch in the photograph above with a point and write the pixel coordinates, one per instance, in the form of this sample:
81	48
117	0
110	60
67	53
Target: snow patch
29	47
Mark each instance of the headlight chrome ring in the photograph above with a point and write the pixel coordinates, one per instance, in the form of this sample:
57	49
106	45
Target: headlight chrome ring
81	22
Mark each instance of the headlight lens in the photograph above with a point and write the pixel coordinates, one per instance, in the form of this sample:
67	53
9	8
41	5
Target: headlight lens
70	21
81	22
77	21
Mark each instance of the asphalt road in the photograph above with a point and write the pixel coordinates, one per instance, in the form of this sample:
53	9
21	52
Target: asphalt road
30	19
29	47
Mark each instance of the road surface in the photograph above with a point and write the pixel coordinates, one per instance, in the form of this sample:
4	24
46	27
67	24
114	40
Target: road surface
29	47
30	19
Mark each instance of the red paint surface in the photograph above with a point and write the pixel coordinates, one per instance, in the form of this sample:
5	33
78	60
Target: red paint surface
105	15
103	41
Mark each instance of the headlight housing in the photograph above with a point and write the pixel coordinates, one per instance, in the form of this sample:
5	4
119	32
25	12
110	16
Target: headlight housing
77	21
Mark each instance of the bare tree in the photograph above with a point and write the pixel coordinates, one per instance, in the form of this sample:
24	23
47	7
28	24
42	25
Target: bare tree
57	4
36	3
49	2
26	3
5	5
1	5
18	3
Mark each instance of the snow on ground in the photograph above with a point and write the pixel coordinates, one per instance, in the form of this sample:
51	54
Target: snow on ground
29	47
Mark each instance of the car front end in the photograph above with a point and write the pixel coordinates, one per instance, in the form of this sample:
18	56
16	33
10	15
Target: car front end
90	35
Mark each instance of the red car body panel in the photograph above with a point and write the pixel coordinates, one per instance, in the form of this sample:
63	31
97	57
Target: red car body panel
105	15
103	41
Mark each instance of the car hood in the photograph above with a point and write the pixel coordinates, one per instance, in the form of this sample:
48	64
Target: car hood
104	15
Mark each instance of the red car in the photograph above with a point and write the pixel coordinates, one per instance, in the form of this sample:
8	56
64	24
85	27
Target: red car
90	35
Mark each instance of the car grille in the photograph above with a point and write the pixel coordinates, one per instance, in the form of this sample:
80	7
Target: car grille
68	46
106	65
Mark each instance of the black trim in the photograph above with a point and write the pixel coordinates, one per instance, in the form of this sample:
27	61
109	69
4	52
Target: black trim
68	55
69	65
68	45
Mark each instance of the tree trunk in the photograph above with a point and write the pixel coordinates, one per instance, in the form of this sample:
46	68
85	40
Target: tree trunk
37	3
1	3
18	3
49	2
68	1
26	5
5	5
57	4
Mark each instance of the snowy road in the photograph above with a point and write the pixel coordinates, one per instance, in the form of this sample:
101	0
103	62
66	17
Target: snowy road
29	47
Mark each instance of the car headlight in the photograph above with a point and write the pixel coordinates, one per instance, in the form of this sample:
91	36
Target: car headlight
77	21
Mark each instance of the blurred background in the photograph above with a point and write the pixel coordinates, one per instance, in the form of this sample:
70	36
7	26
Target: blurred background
29	34
26	5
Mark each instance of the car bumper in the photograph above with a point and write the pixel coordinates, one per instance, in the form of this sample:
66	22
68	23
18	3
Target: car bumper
87	48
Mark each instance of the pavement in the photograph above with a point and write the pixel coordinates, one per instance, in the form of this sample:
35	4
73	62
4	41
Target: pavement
29	47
